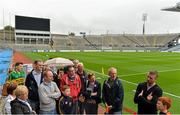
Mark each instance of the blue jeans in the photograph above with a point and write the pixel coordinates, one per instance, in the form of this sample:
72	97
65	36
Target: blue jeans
53	112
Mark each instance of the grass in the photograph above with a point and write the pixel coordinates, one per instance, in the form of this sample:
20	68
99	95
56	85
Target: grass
131	67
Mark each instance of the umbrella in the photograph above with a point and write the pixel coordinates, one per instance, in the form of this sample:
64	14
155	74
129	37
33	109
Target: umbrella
58	62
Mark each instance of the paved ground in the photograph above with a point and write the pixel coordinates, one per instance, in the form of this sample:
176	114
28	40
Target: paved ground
1	104
19	57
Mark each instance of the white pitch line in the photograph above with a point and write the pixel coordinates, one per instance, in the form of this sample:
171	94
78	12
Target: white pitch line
145	73
172	95
98	78
137	84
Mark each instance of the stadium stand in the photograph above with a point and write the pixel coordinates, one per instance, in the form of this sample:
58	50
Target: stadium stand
114	42
93	42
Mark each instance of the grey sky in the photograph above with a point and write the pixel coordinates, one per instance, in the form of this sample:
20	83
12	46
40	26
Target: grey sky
96	16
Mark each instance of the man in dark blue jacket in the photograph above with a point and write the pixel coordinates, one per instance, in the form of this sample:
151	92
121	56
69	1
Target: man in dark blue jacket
113	93
33	80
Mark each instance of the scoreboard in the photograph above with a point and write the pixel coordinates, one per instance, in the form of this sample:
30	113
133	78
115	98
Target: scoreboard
31	23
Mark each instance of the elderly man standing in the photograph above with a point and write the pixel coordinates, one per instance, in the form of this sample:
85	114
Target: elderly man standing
20	105
147	94
48	93
113	93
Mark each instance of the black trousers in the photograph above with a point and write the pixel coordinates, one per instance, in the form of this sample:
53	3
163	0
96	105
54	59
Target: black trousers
91	108
75	107
81	107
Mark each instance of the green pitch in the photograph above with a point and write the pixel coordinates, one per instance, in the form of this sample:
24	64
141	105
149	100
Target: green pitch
132	69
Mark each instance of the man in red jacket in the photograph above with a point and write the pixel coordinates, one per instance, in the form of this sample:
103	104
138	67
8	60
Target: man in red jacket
74	82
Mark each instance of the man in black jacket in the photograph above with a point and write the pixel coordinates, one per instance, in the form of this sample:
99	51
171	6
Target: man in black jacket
33	80
147	94
113	93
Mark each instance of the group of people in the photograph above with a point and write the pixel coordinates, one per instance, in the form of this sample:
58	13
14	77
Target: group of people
71	90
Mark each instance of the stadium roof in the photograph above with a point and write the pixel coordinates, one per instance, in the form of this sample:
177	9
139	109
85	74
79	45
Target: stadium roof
175	8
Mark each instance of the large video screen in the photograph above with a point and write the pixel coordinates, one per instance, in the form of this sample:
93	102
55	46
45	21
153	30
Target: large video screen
32	23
